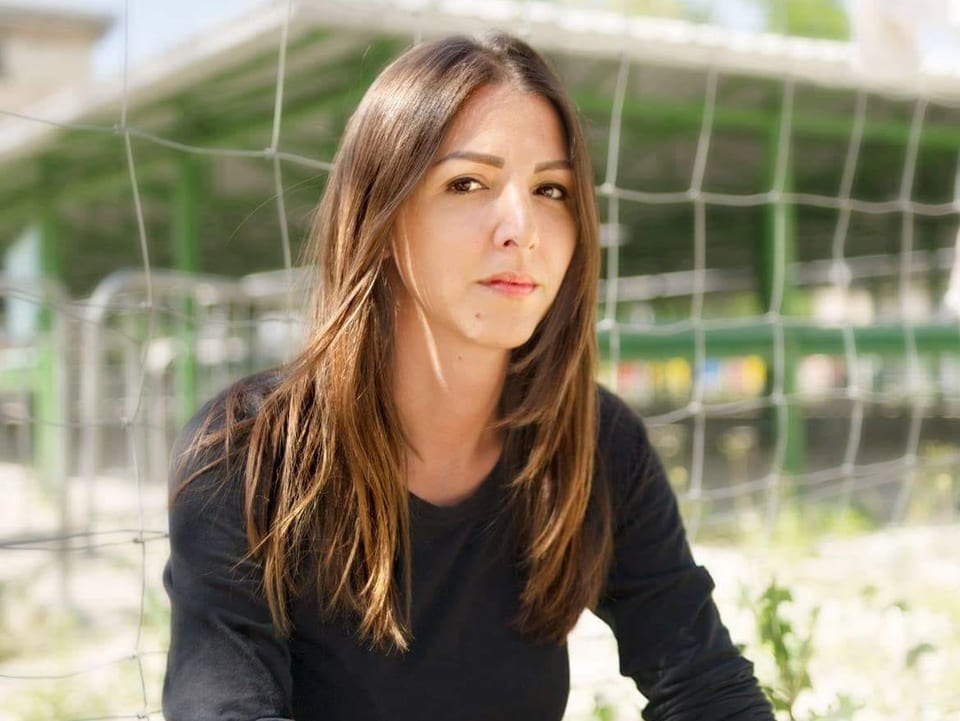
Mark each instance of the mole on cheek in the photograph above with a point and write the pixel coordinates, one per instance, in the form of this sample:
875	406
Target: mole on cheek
477	316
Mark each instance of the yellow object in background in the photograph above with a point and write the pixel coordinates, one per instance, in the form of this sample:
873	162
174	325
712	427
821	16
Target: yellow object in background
678	377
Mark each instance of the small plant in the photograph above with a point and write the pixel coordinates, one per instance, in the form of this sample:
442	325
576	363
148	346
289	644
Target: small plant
842	709
7	644
156	612
603	710
792	652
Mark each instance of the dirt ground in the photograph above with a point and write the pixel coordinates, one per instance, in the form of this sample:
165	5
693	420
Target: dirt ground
90	643
887	635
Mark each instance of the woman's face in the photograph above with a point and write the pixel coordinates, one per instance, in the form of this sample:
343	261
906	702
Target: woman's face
484	241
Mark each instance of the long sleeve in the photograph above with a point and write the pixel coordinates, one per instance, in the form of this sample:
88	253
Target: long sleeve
225	663
657	601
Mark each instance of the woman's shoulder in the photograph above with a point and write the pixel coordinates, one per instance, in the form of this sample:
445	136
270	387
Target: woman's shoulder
208	436
206	519
240	400
618	423
624	452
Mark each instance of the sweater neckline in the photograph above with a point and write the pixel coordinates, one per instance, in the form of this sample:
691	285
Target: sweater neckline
422	510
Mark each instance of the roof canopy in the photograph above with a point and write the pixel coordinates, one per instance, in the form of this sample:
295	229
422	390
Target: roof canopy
213	102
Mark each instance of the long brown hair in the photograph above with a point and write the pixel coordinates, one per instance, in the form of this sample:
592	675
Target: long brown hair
322	458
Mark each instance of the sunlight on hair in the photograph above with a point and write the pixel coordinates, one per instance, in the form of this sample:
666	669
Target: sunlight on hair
428	336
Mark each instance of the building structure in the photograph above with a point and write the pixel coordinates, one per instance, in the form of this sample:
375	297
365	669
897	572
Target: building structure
737	173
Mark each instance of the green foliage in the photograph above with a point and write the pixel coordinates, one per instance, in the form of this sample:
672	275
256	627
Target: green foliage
114	694
63	698
656	8
603	710
934	489
7	645
809	18
800	524
843	709
914	654
156	612
792	651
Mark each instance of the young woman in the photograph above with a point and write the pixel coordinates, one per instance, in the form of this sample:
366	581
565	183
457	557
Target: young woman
407	520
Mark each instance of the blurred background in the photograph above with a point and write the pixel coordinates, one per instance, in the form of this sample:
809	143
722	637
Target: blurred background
780	194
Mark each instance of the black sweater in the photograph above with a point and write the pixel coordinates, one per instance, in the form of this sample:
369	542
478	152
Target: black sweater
226	663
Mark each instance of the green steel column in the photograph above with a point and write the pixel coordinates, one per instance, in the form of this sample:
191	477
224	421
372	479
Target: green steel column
937	288
187	203
778	294
51	437
50	432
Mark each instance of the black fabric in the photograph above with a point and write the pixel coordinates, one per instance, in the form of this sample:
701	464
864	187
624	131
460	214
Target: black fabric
226	663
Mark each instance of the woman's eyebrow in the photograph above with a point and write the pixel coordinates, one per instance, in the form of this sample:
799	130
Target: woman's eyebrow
553	165
497	162
486	159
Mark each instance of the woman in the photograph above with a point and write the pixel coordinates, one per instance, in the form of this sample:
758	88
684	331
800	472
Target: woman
407	520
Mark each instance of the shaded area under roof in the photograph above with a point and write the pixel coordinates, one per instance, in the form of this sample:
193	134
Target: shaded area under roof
208	108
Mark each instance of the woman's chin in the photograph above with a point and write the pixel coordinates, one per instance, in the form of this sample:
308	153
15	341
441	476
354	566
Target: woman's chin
506	333
513	341
506	339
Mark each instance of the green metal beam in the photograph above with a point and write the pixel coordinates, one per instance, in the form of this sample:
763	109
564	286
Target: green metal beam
808	339
689	115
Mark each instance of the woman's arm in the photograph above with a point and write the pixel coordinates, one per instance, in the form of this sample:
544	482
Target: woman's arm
657	600
225	663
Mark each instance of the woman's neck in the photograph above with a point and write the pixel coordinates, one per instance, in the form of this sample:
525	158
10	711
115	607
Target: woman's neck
447	395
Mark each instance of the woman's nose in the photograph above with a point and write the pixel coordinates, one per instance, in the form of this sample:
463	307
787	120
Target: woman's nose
516	226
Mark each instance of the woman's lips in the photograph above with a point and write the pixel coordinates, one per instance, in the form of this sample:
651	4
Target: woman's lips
515	285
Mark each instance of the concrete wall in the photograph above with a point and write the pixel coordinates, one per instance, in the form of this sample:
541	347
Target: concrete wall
42	52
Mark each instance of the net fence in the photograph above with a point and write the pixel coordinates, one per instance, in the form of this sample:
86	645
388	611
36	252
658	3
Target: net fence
776	255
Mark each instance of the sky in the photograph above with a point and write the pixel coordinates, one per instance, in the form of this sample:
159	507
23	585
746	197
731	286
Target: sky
155	25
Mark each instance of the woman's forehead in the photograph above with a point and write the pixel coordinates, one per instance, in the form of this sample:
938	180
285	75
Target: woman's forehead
495	113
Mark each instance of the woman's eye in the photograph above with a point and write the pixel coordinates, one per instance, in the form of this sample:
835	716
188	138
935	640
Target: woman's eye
464	185
553	191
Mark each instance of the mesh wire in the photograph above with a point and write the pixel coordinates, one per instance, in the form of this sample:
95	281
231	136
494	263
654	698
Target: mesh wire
132	320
